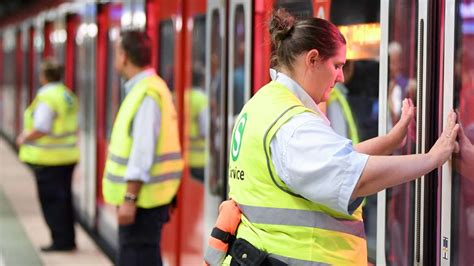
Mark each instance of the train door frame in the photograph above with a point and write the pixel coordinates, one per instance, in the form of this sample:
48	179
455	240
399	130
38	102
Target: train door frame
232	50
447	168
212	197
72	23
108	27
38	44
420	128
2	99
383	114
430	67
25	64
18	80
31	55
168	17
85	176
192	189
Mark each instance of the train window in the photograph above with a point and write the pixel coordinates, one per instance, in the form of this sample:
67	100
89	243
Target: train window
197	100
166	58
113	92
402	69
217	99
239	61
298	8
462	225
360	90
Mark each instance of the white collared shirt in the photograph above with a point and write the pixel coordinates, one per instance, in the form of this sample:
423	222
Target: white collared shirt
313	160
145	133
43	115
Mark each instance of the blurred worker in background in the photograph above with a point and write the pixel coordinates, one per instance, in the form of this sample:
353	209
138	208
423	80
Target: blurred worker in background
198	104
339	111
297	182
144	165
48	144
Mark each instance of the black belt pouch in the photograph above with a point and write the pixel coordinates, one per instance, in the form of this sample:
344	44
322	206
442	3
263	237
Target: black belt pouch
246	254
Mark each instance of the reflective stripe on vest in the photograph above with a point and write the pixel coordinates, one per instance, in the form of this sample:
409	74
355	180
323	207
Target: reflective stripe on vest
166	170
274	217
336	95
279	216
156	159
59	146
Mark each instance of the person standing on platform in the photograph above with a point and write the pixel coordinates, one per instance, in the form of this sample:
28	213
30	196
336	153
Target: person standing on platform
298	184
144	165
48	144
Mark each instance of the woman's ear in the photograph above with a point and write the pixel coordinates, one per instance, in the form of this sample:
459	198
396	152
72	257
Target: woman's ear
312	57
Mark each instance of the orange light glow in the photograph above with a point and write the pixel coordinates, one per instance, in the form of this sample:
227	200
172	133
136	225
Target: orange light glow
363	40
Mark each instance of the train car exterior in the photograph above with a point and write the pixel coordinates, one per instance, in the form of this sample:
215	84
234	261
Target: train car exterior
214	55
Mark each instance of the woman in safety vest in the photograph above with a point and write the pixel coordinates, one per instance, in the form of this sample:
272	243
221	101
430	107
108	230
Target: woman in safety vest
48	144
298	184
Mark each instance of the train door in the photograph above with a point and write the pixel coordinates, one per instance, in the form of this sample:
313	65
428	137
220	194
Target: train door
109	97
25	76
72	24
19	93
457	220
31	62
169	26
47	30
195	106
216	78
38	44
57	37
84	181
239	60
8	93
2	99
398	80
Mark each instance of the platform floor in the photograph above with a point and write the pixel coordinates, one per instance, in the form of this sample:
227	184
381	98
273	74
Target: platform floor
22	228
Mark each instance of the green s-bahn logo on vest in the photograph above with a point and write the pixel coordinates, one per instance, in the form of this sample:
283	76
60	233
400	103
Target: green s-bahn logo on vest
237	137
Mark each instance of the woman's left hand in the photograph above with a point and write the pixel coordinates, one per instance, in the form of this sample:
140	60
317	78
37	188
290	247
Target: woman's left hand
405	124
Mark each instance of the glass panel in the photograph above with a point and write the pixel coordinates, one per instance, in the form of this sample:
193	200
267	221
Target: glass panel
166	63
402	71
114	95
197	101
238	96
216	97
462	225
360	24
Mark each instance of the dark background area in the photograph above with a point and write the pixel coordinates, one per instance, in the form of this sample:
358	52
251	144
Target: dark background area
19	9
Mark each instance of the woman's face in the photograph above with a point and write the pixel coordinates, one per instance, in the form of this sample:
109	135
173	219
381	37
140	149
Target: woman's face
325	74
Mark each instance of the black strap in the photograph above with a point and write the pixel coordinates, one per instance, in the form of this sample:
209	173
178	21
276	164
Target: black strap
223	236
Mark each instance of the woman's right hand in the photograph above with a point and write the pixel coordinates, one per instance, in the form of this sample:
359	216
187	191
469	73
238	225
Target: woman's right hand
446	143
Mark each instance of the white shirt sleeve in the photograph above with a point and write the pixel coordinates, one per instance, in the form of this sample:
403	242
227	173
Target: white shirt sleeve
317	163
43	118
145	133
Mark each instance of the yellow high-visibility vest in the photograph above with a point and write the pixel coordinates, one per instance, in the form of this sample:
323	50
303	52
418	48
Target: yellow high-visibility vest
274	218
336	95
166	171
59	146
196	152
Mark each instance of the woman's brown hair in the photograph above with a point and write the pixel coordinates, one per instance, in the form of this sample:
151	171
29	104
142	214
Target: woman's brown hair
291	37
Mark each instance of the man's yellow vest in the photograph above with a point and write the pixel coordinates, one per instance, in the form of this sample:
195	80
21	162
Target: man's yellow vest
274	218
166	171
59	146
336	95
196	153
